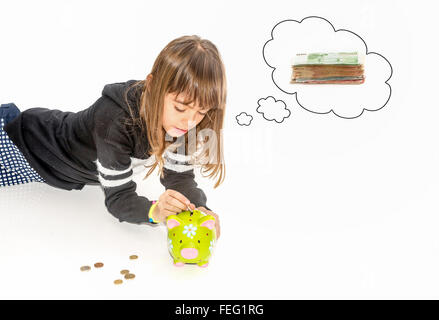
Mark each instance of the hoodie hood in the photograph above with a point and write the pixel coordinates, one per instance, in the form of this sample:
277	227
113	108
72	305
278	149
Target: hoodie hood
116	92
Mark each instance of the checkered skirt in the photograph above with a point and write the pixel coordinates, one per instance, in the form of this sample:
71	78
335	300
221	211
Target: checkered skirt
14	168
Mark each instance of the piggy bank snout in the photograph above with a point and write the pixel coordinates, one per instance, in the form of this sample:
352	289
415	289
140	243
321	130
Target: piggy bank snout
189	253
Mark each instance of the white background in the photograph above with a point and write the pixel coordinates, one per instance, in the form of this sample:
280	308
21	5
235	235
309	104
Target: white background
315	207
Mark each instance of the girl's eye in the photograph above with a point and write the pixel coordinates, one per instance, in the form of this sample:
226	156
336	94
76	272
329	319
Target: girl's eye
178	109
203	114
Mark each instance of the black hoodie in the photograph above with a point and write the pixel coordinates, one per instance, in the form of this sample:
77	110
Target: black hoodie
95	147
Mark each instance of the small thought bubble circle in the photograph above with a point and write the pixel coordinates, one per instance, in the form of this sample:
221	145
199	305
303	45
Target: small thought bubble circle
272	109
244	119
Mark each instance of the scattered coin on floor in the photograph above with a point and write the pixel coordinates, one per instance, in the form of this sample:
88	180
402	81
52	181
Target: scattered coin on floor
124	271
99	265
133	257
130	276
118	281
85	268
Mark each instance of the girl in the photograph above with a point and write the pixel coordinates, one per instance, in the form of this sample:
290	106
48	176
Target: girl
133	124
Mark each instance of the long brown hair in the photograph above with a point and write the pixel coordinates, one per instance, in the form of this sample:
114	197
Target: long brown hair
192	66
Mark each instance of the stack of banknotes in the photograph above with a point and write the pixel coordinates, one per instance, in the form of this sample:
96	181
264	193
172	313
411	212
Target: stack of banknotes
331	67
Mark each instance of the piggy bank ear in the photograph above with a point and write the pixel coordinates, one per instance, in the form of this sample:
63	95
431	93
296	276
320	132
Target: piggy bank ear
172	222
210	224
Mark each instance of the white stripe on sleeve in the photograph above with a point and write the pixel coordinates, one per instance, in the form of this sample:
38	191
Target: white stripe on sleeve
111	172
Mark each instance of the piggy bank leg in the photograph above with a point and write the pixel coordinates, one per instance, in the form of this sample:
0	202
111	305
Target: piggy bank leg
203	264
178	263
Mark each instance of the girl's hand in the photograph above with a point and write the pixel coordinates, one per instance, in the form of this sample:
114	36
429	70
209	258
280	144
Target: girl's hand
169	203
217	222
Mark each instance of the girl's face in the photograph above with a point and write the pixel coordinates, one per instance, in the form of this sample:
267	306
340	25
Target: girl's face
178	118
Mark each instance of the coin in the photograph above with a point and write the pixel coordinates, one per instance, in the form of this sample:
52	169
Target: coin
124	271
133	257
130	276
118	281
85	268
99	265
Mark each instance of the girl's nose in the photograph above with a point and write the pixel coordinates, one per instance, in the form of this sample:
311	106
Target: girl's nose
189	122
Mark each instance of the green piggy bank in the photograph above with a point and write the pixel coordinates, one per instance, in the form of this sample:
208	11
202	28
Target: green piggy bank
191	237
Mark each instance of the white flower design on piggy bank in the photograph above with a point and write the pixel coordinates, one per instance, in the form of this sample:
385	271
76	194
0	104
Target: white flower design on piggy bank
190	231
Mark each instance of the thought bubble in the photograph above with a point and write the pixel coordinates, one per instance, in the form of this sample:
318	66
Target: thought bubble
244	119
272	109
316	34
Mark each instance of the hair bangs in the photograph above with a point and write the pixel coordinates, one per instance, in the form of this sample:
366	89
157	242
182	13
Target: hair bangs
198	83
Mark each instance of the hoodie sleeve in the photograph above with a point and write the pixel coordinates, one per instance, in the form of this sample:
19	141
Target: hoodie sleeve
115	170
179	175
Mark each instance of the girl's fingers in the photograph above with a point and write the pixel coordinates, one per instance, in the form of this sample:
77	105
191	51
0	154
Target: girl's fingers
208	212
181	198
203	209
171	208
217	222
218	230
174	204
167	213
